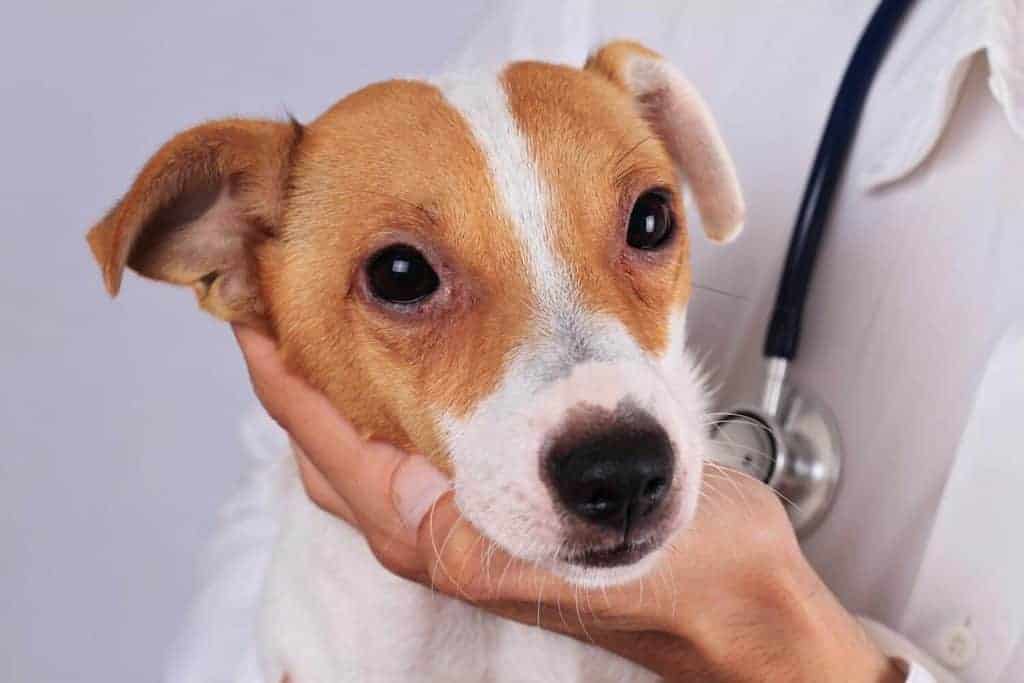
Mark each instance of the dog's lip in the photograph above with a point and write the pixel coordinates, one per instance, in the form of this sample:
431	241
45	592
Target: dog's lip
615	556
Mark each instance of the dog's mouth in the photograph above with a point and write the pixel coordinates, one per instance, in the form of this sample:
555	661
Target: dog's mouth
620	555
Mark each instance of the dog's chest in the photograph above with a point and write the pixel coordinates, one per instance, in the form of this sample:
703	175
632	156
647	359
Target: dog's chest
332	613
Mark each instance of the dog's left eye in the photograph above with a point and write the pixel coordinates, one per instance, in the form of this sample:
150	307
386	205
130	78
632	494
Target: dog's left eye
400	274
650	223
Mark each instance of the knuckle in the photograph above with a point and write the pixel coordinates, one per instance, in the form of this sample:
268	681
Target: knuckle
387	557
442	578
320	495
396	559
462	577
275	410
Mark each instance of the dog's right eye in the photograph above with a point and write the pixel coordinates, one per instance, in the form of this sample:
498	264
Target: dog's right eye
399	274
650	223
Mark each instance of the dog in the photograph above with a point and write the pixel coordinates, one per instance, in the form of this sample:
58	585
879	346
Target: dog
490	269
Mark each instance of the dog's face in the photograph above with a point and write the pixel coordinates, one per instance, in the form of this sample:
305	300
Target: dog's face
491	271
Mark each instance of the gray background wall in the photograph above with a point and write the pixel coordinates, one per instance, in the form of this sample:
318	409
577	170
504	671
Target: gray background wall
118	420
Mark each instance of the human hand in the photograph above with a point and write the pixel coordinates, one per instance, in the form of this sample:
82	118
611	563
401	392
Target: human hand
731	599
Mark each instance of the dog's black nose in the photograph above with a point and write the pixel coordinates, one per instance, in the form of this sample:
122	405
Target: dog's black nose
615	477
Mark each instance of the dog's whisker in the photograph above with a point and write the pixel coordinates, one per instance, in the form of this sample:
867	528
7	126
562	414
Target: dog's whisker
579	615
752	452
715	290
723	472
540	598
439	552
722	418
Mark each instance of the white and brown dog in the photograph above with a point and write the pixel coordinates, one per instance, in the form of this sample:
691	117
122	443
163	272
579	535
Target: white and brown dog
491	270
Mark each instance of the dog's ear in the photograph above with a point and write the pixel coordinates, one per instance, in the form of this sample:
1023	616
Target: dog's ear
681	119
198	209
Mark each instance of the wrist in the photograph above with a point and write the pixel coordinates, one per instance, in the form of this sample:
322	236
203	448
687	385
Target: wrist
786	628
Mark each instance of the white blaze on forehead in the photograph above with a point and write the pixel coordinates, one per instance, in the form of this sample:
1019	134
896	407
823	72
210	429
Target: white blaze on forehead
566	332
482	101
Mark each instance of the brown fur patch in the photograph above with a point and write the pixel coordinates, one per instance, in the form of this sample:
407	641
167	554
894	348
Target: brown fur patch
394	163
597	156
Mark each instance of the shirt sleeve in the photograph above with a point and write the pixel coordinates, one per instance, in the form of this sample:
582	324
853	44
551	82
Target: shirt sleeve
915	663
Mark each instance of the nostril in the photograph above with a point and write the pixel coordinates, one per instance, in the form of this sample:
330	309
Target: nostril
600	503
654	488
650	497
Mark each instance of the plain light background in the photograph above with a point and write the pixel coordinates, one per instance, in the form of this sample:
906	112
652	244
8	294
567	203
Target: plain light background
119	419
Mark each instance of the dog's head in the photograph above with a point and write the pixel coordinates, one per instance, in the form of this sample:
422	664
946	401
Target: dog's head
491	270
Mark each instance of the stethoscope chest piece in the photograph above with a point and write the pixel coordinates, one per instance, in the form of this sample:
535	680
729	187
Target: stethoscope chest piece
794	449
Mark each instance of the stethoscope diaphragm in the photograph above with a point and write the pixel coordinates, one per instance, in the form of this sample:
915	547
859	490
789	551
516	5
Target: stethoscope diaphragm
795	450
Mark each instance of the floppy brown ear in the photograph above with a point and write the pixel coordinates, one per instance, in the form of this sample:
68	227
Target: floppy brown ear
197	210
681	119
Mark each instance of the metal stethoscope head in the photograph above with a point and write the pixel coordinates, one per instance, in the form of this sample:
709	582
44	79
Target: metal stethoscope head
790	440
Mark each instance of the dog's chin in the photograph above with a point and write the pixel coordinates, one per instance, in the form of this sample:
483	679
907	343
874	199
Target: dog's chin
612	566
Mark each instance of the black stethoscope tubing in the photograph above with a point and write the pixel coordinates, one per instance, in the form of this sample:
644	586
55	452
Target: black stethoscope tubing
783	335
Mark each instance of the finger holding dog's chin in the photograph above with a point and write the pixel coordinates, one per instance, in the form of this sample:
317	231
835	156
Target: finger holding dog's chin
341	472
728	589
687	577
320	490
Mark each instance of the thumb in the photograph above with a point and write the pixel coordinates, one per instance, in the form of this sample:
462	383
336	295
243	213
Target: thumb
415	486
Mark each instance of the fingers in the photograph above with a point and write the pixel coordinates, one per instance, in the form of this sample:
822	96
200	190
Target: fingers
416	486
320	490
461	562
281	393
359	472
731	497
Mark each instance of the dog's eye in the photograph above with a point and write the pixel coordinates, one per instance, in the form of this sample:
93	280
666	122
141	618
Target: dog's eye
650	223
401	275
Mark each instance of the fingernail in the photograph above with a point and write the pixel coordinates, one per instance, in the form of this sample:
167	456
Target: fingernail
417	484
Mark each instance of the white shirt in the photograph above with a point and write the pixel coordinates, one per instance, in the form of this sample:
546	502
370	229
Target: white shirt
920	277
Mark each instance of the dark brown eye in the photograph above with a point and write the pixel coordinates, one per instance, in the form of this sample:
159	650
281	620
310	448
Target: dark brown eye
650	223
399	274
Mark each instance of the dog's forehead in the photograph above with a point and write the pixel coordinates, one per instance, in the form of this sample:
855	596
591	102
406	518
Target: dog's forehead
395	143
453	145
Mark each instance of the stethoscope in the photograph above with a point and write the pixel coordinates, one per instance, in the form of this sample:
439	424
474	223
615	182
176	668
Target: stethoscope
790	440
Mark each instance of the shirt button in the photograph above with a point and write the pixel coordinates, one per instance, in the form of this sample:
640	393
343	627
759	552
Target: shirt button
959	646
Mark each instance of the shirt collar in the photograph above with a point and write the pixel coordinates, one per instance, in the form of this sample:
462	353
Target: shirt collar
929	81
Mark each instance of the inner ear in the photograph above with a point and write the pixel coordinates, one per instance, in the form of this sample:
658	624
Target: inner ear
199	211
204	241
